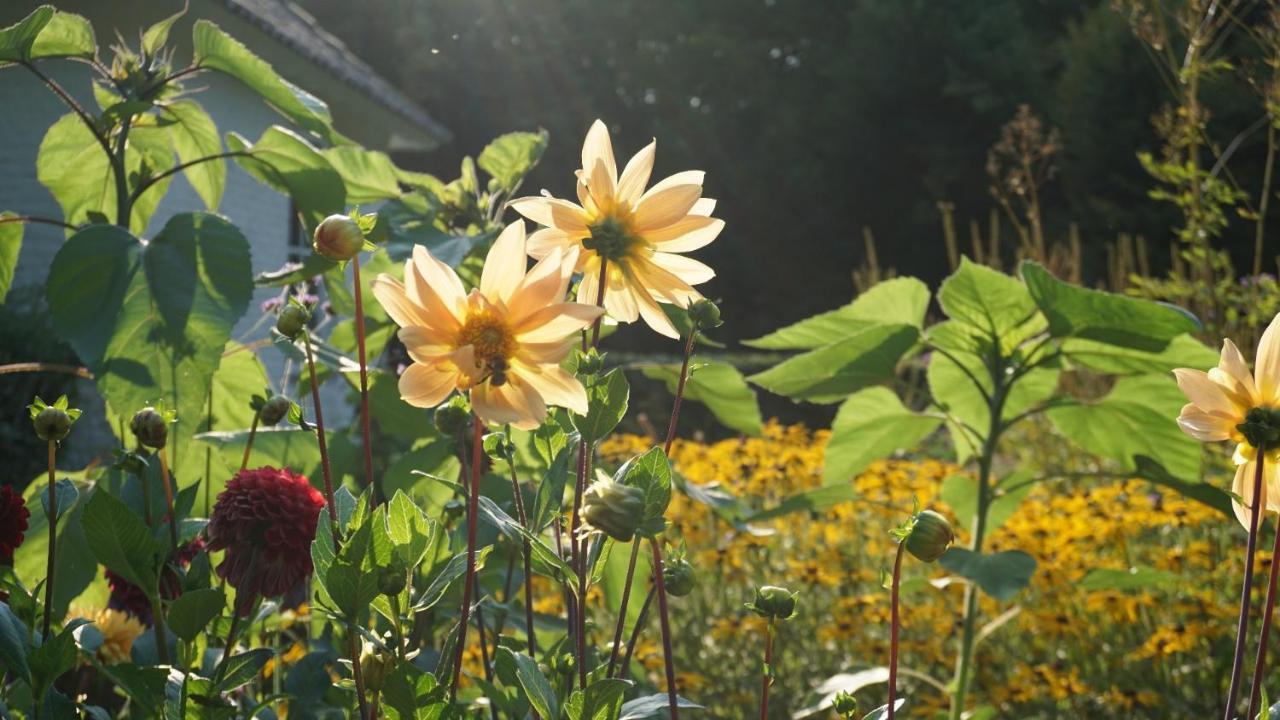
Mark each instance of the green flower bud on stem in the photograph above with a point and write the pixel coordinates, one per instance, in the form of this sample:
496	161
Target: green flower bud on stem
613	509
274	410
452	417
845	704
391	581
149	426
678	576
293	320
705	314
590	362
774	603
375	665
930	536
338	238
52	422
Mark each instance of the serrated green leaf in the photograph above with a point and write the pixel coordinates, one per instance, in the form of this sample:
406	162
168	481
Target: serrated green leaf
121	541
195	136
66	35
192	611
285	161
871	424
1000	575
509	158
607	401
867	357
10	249
900	300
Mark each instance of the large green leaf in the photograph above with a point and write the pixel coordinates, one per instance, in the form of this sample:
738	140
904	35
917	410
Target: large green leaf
607	402
871	424
66	35
195	136
121	541
1000	575
532	681
651	472
1095	315
1182	351
1134	578
509	158
368	175
900	300
14	637
869	356
285	161
1135	420
411	220
151	321
192	611
953	388
719	386
216	50
16	40
10	248
988	299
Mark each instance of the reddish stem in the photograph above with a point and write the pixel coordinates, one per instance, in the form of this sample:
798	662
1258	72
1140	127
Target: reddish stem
622	611
666	629
53	539
248	446
364	377
473	509
894	625
768	670
528	564
675	408
324	448
1242	626
168	501
595	328
1260	661
581	544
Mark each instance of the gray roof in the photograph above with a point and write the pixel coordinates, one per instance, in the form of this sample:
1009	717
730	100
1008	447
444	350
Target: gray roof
296	29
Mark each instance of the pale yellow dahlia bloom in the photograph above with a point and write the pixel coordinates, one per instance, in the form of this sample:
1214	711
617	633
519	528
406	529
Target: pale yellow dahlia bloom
119	629
1220	401
639	233
503	341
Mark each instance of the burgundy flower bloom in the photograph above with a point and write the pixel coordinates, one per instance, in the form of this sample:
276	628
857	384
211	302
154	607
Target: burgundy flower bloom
133	600
265	521
13	522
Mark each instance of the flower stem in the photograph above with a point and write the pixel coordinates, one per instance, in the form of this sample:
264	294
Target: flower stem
157	622
635	632
357	674
894	625
667	656
324	449
208	450
1242	626
1260	660
248	446
604	277
230	645
528	561
584	469
767	675
473	503
53	539
675	407
484	656
168	501
622	611
364	378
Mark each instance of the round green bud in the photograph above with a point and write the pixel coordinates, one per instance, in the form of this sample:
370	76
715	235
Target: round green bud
391	581
845	704
930	536
678	577
274	410
453	417
590	362
705	314
338	238
293	319
375	665
613	509
149	426
52	424
775	603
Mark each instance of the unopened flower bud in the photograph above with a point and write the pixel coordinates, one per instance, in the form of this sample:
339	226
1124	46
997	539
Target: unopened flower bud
591	362
338	238
613	509
773	602
391	581
705	314
452	417
292	320
149	426
375	665
52	424
930	536
274	410
845	704
678	577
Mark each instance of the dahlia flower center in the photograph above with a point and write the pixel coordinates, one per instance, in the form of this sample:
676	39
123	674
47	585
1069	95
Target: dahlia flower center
1261	427
612	236
492	342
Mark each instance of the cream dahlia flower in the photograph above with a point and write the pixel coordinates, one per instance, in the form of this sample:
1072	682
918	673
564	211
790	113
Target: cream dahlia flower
638	234
1227	398
502	342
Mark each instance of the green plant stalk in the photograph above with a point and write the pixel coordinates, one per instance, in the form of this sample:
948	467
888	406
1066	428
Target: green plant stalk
527	556
357	674
1260	660
622	610
364	378
580	634
157	620
635	631
473	504
895	625
324	449
208	450
248	445
668	657
766	676
1242	625
168	500
964	661
53	542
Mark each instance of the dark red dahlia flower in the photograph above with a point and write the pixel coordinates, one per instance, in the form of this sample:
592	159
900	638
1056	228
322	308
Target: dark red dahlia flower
265	521
13	522
131	598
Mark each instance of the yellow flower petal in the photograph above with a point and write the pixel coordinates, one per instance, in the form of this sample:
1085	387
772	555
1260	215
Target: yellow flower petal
435	287
1233	374
554	322
542	242
426	386
686	177
424	344
393	298
1206	394
1243	486
686	234
1205	426
552	212
555	385
1266	366
687	269
658	210
505	264
636	174
598	148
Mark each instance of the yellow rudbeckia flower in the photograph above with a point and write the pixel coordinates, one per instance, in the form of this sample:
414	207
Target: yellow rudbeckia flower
503	342
637	235
1220	402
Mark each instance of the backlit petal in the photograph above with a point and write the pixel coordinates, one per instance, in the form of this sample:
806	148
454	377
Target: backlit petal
687	177
685	268
554	385
1206	394
1205	426
505	264
392	297
552	212
427	385
686	234
555	322
636	174
1266	367
658	210
598	147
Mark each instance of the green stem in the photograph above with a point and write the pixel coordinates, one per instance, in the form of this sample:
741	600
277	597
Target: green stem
248	446
895	625
53	540
157	622
324	448
364	378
